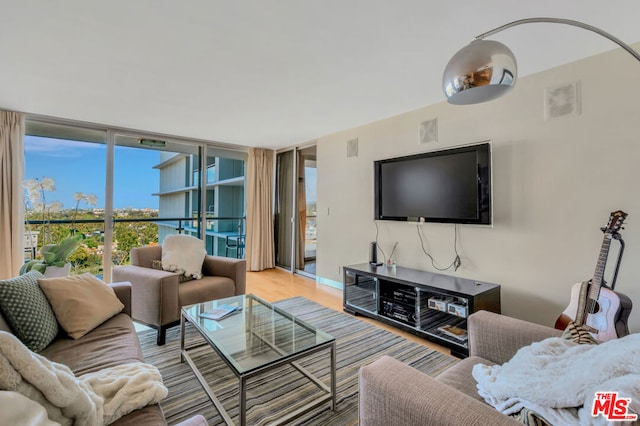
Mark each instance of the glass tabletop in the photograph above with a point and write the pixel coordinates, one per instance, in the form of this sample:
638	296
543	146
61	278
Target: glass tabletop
255	334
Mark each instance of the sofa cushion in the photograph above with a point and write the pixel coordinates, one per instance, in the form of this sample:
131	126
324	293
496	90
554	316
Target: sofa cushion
459	376
80	302
27	311
112	343
149	415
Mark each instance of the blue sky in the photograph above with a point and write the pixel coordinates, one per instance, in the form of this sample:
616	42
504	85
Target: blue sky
80	167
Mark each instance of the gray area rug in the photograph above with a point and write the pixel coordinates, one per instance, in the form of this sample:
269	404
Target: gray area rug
357	344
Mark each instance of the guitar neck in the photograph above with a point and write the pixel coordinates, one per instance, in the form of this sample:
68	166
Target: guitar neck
598	275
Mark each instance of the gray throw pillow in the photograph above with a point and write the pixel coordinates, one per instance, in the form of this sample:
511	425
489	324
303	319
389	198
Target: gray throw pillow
27	311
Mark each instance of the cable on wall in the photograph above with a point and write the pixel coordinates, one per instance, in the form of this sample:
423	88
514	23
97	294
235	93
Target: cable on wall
456	261
384	256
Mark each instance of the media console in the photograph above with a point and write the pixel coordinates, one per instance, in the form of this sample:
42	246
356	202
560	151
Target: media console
433	306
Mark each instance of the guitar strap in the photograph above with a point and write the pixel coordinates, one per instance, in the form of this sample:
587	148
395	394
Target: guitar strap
582	303
581	314
578	334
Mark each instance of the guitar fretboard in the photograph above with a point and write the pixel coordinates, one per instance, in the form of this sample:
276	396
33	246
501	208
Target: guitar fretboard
598	275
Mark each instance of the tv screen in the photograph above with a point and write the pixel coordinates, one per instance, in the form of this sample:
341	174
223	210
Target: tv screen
449	186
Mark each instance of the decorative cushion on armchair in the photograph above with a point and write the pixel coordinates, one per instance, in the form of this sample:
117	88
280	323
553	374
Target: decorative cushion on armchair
183	254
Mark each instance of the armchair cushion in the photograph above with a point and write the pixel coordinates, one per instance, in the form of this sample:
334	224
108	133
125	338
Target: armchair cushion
27	311
459	376
80	302
183	254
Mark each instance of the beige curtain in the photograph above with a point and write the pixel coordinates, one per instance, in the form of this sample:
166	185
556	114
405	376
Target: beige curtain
11	193
259	251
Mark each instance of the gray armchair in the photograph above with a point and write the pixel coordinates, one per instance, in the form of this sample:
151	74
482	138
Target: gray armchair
157	296
394	393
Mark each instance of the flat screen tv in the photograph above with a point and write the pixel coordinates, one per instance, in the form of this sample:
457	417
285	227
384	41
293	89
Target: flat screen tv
446	186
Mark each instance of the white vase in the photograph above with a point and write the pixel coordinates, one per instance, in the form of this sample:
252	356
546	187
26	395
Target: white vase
57	271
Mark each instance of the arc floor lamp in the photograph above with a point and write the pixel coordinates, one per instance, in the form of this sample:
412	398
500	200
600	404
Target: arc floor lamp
485	69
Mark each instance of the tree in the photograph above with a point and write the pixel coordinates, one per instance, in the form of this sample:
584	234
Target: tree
127	238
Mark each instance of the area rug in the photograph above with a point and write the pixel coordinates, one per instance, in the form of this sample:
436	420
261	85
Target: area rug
270	394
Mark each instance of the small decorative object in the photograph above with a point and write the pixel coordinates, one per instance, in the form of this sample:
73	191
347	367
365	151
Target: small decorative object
391	261
57	271
53	255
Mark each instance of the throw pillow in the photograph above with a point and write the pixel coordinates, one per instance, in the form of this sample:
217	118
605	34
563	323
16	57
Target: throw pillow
157	264
80	302
183	254
27	311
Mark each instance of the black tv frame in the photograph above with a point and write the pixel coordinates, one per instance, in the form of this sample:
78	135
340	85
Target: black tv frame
484	201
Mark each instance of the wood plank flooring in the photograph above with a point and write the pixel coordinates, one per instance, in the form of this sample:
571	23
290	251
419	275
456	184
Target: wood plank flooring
276	284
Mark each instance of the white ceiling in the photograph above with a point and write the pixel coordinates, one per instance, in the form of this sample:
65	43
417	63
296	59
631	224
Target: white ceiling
268	73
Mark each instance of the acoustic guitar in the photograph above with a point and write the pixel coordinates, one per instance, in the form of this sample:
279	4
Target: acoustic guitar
593	305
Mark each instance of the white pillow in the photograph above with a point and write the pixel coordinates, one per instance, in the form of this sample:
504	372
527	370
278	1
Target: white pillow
183	254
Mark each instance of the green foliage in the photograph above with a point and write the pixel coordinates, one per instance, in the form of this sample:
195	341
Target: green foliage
127	238
79	257
53	255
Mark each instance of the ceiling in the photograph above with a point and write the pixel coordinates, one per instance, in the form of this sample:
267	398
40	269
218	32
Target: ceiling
269	73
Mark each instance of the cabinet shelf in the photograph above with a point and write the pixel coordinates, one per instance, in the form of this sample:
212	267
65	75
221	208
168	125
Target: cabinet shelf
421	302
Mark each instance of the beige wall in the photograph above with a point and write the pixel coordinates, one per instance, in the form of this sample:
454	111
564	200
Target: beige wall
555	183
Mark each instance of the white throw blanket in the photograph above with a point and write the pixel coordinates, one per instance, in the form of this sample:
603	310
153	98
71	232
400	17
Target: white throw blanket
93	399
555	377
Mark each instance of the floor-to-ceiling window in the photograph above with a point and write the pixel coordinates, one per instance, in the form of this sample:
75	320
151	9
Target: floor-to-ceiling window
153	195
65	181
144	188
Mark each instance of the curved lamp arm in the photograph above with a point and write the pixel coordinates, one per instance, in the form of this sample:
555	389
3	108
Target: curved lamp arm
486	69
571	22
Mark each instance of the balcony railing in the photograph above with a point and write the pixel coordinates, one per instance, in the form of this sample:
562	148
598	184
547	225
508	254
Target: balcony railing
128	233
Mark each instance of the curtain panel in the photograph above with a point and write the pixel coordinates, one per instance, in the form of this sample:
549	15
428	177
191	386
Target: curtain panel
11	193
259	245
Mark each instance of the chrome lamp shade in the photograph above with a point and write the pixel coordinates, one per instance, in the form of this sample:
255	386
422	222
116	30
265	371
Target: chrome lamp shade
481	71
485	69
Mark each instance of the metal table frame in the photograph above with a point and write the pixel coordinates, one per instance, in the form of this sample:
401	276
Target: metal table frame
329	392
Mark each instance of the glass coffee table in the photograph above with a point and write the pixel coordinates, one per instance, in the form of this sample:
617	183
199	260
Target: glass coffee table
256	338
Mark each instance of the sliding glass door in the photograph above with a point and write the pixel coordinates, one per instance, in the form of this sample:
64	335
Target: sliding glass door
306	199
295	221
153	192
121	190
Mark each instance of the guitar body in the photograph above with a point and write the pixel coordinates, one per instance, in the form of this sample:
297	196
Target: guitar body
610	319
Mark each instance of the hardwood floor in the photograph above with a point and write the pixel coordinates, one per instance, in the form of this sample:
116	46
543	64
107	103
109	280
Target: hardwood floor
275	284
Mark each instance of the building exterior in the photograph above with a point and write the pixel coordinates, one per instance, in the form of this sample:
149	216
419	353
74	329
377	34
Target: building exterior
179	198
